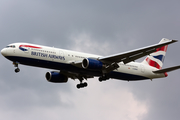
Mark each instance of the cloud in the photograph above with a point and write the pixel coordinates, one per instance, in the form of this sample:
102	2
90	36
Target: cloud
88	103
84	42
106	103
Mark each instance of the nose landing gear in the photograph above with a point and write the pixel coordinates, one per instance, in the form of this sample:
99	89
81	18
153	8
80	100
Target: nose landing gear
16	65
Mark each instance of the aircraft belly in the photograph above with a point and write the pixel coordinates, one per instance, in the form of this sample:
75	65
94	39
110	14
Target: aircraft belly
126	76
68	67
52	65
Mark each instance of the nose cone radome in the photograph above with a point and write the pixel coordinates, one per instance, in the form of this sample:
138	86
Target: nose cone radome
3	52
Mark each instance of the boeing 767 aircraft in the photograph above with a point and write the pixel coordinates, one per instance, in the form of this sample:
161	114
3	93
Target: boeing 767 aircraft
81	66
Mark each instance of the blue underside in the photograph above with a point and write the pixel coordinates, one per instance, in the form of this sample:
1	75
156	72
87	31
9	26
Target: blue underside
71	68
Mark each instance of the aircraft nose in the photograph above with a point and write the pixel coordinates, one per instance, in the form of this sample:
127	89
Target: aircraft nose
3	52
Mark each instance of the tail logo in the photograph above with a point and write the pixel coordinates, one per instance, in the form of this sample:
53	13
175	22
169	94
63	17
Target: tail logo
156	59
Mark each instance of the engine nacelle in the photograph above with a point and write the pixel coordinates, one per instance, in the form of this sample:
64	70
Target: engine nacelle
92	64
56	77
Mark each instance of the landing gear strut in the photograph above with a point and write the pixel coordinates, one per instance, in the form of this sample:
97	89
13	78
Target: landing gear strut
16	65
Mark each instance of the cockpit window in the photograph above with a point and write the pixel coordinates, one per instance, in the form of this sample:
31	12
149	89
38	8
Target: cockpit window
10	46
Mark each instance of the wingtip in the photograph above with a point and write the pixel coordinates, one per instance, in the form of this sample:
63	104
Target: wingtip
174	40
163	40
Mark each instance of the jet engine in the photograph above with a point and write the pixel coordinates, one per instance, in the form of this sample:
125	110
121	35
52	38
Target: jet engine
92	64
56	77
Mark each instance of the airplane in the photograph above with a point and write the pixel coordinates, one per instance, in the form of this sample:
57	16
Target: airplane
77	65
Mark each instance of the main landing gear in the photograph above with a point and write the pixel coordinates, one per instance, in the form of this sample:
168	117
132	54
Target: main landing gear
103	78
16	65
81	85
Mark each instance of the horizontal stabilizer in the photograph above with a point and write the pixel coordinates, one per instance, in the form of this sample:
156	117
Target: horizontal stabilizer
167	69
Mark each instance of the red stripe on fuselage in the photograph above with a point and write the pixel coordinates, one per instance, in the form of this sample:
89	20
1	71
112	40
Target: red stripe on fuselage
153	63
30	46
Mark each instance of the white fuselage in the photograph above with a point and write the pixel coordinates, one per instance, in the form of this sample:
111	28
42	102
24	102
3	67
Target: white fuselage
60	59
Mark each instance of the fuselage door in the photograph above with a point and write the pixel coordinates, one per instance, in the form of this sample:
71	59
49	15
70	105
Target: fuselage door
14	50
142	69
27	50
61	55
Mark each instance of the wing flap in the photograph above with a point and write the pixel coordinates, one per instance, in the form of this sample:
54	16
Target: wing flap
137	56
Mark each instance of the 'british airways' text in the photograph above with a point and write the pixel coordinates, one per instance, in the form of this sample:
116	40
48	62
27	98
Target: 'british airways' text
47	55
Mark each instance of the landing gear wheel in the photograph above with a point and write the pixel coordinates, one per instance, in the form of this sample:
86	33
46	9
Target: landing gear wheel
78	86
17	70
100	79
85	84
16	65
81	85
104	77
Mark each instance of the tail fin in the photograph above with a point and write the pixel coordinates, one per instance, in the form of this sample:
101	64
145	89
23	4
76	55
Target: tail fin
156	59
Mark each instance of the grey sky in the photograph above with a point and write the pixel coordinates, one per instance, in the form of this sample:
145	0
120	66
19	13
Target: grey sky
99	27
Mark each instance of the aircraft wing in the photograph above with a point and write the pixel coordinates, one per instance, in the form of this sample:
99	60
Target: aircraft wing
129	56
76	63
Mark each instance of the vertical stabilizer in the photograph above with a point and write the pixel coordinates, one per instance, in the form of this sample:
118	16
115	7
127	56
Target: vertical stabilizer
156	59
